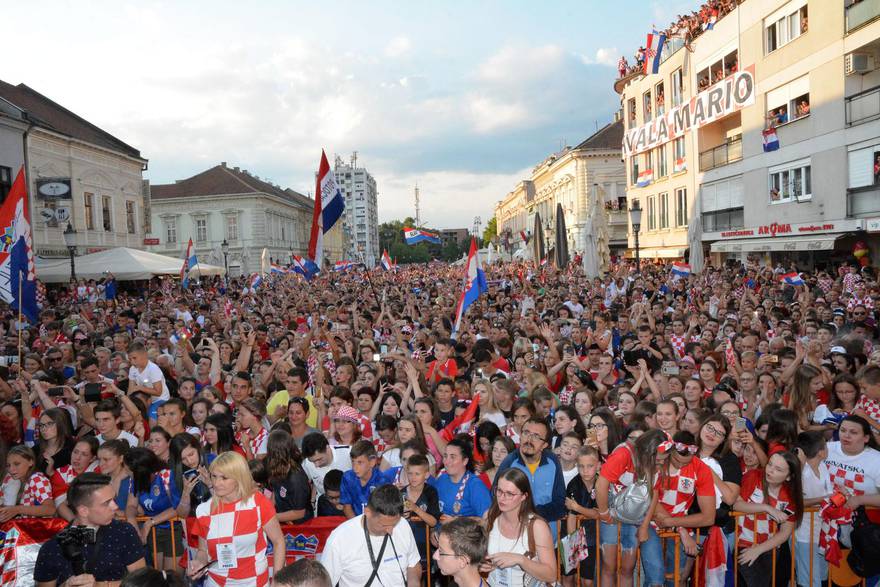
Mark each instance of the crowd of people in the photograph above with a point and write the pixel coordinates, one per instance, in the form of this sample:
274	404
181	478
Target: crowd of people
686	27
639	411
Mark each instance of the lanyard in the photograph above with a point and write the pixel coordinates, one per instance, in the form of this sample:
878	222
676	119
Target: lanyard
461	487
374	562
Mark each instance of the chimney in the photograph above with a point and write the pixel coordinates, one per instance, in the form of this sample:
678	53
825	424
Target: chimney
223	164
236	169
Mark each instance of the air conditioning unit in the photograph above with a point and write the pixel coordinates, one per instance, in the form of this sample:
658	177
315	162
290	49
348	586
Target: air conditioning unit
858	63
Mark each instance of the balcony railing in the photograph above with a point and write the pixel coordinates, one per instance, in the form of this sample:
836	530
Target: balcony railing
860	13
722	154
862	202
863	107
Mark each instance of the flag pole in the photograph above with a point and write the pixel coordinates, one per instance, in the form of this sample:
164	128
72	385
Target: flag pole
20	281
370	281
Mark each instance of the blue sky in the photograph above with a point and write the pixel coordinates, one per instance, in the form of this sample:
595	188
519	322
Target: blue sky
461	97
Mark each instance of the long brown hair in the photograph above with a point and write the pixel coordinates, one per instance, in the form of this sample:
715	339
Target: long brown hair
26	453
527	508
282	455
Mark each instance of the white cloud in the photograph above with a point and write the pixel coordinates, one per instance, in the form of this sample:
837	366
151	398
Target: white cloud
488	114
607	56
517	64
398	47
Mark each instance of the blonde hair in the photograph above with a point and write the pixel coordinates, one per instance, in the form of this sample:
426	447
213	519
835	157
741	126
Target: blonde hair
234	466
490	393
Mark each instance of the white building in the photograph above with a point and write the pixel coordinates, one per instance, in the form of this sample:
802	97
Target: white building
77	173
361	220
231	204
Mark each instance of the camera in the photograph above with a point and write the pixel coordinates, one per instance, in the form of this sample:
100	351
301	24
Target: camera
73	541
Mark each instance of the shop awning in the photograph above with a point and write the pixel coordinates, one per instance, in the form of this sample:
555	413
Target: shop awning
824	242
667	253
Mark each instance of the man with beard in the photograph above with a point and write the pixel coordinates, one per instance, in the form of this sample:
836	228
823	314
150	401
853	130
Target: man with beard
537	461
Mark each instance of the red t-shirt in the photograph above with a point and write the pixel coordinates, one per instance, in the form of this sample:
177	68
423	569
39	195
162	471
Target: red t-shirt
437	372
756	527
619	469
677	491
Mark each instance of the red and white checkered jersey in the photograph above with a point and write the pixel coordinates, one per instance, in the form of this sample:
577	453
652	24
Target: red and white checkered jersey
257	445
37	489
241	524
870	406
859	474
677	490
755	528
619	469
61	480
854	301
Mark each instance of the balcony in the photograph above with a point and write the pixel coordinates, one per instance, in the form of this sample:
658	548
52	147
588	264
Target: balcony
861	202
722	154
861	13
863	107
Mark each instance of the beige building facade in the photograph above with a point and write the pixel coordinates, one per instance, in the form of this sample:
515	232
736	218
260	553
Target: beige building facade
801	73
574	177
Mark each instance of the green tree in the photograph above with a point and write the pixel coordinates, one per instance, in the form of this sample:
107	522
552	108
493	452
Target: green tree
491	231
391	239
451	252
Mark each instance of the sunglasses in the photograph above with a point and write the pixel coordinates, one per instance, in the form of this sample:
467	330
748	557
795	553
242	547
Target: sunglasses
685	449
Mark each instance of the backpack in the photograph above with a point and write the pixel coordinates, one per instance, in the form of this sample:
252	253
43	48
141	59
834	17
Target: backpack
630	506
864	558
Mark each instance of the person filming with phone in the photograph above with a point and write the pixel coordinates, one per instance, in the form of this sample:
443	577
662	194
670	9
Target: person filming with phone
95	547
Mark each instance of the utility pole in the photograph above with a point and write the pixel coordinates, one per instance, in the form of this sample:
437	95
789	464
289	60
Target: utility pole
418	213
477	222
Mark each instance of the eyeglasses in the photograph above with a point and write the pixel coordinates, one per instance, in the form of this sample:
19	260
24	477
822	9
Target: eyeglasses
714	431
44	425
729	414
53	359
507	494
597	426
528	435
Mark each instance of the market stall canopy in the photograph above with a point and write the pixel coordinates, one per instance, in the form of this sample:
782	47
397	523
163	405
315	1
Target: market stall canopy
124	263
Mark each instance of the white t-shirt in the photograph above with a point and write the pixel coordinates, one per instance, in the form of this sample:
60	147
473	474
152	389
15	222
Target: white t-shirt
814	486
347	558
341	461
146	378
567	476
130	438
858	473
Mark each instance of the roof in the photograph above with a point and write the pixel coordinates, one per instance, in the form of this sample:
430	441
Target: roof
608	138
222	180
52	116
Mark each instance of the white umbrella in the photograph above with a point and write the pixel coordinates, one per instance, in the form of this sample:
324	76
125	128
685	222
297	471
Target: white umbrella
695	241
265	262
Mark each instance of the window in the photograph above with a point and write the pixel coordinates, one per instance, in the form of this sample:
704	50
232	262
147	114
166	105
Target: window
789	102
659	99
201	229
677	88
106	216
129	217
717	70
89	205
730	219
634	171
660	167
678	147
681	207
5	182
646	106
864	167
232	227
652	211
171	230
785	25
664	210
790	182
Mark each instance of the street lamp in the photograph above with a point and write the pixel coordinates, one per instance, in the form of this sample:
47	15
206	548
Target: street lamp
224	246
635	217
69	235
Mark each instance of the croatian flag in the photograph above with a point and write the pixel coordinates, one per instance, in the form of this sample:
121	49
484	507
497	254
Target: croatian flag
387	265
255	282
645	178
681	269
189	263
679	165
792	279
16	252
474	283
343	265
524	236
277	269
771	141
304	267
414	236
713	18
654	49
329	205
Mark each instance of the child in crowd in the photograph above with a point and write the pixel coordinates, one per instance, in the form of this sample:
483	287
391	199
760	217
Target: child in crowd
812	452
580	500
868	406
359	482
421	505
328	502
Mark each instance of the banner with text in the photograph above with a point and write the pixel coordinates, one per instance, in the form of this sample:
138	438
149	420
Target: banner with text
731	94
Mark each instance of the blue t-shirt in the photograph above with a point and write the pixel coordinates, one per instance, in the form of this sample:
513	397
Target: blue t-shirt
474	500
160	497
123	493
352	493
